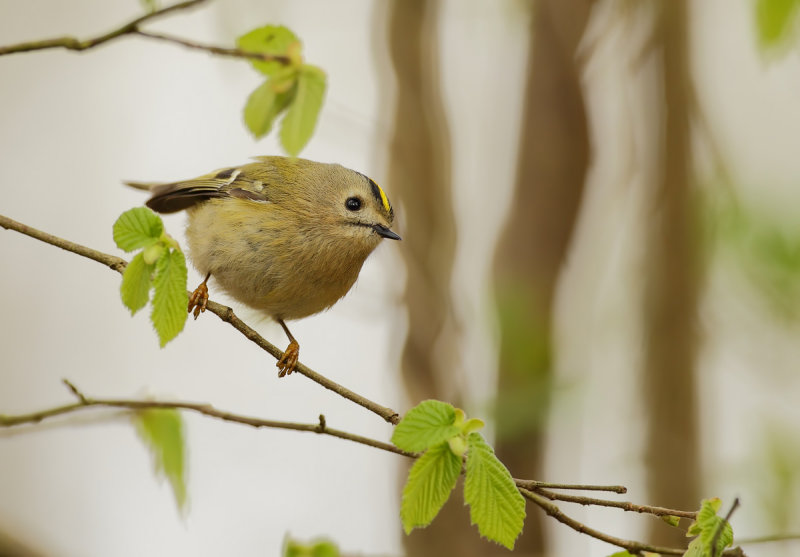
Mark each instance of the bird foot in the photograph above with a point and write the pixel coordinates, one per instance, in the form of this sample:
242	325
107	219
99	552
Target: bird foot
198	300
288	361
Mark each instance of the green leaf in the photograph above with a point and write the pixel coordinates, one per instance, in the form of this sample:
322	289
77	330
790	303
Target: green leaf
496	506
706	527
301	118
674	521
320	548
137	228
136	279
430	481
776	21
427	424
162	432
621	554
275	40
170	299
264	105
149	5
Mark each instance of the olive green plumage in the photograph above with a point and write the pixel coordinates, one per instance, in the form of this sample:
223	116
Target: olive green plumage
284	236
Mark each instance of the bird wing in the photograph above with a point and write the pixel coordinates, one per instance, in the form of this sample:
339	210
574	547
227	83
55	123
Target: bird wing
226	182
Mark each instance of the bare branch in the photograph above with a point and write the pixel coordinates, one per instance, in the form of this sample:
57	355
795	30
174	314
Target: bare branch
71	43
631	546
85	402
232	52
624	505
534	484
116	263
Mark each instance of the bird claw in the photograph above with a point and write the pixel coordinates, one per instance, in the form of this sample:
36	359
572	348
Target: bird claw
198	300
288	361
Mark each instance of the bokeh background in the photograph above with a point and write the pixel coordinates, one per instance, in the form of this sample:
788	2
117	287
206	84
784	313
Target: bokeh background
601	257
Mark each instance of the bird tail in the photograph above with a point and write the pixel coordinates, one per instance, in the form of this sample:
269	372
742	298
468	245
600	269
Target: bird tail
144	186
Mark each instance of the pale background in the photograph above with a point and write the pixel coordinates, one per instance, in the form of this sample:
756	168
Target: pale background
73	126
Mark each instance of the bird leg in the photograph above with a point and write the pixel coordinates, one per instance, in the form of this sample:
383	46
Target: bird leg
288	361
199	298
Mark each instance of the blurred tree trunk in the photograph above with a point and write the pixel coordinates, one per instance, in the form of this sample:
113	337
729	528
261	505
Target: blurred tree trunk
670	396
552	166
419	171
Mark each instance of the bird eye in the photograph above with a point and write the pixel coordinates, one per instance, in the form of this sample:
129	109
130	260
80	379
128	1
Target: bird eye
353	203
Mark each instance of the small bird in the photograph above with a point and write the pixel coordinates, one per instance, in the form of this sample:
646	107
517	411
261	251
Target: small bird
285	236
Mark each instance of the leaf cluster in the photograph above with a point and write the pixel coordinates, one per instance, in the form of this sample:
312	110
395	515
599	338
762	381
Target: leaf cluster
159	265
292	87
447	437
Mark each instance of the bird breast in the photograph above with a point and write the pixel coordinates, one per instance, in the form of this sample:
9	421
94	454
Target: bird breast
271	262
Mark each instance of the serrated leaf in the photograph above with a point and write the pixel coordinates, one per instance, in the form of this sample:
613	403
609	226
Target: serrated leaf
301	117
775	21
137	228
162	432
169	299
136	281
430	481
275	40
706	526
427	424
264	105
495	505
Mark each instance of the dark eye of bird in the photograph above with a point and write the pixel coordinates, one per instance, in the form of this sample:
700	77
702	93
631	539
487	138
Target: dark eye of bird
353	204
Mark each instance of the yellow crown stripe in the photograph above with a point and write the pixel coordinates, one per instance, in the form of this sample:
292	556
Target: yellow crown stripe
384	199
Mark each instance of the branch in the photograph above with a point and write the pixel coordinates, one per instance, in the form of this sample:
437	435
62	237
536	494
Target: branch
535	484
71	43
223	312
630	545
233	52
116	263
85	402
624	505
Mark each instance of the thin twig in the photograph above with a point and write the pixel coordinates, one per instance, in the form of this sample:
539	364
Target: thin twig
721	526
233	52
631	546
116	263
85	402
624	505
534	484
223	312
71	43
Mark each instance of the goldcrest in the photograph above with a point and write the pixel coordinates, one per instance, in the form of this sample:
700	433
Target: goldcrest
284	236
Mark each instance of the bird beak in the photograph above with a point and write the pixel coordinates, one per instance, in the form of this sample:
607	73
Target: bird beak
385	232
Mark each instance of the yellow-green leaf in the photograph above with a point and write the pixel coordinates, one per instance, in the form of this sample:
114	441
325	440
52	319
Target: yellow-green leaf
169	299
136	281
707	527
776	21
427	424
275	40
137	228
264	105
495	504
430	481
674	521
301	117
317	548
162	432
